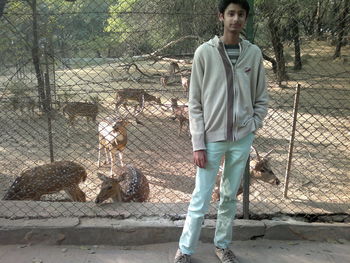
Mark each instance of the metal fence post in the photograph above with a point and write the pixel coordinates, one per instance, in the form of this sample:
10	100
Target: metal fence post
246	176
291	142
246	183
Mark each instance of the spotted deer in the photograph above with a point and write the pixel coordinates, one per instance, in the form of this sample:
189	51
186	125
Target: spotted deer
180	113
138	95
50	178
84	109
260	169
130	185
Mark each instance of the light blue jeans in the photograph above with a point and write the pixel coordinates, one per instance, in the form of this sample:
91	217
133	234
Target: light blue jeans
236	155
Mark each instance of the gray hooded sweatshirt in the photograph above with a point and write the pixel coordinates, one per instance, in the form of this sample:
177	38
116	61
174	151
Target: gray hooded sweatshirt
226	102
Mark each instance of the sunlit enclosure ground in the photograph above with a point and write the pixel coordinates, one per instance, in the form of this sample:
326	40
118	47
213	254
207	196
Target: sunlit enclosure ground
320	171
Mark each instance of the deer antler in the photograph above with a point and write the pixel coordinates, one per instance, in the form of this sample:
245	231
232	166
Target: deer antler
266	155
257	154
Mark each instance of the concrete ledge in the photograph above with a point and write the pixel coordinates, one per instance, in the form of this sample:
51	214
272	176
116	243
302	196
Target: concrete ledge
306	231
104	231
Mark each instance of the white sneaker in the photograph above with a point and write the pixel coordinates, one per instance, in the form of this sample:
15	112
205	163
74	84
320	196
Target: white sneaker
226	255
182	258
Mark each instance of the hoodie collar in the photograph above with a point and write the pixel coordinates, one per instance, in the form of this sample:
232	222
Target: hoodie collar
216	41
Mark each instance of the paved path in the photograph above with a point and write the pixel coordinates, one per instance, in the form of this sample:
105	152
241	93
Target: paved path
256	251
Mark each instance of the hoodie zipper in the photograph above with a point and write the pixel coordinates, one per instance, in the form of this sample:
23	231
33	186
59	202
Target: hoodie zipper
234	73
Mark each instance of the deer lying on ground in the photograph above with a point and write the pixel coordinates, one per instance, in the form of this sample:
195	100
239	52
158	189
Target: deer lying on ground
84	109
112	138
130	185
47	179
138	95
260	169
180	113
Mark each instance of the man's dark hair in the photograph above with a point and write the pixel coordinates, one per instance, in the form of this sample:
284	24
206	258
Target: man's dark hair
223	4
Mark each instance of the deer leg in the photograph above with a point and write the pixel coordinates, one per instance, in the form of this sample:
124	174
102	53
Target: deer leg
112	156
142	102
181	123
121	158
107	159
71	120
188	129
117	104
99	155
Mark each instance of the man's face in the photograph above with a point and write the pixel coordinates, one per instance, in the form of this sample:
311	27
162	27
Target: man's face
234	18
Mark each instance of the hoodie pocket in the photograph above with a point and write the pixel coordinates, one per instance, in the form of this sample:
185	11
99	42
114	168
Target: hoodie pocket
246	121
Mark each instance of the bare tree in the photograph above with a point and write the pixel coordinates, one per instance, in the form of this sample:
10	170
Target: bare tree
343	16
278	50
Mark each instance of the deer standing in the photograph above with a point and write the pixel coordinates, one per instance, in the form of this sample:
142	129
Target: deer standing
185	82
112	138
47	179
180	113
164	81
138	95
260	169
84	109
173	69
129	186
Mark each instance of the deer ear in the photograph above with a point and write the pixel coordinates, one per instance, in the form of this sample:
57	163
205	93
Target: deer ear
102	177
257	154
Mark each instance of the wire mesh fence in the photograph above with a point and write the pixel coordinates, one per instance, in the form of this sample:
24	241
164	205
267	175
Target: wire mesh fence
68	67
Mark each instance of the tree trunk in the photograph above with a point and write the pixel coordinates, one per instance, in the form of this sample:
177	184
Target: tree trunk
318	32
341	29
2	7
36	57
296	39
278	50
311	25
272	61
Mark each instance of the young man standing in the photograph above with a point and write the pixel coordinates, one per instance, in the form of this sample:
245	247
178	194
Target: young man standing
227	104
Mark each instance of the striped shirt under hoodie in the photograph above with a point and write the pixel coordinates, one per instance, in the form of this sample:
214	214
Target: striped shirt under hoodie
233	52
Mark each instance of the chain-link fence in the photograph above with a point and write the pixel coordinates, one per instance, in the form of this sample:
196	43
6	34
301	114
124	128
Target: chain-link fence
68	67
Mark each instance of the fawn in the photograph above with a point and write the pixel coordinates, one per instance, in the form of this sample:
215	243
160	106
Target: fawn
180	113
47	179
129	185
138	95
85	109
113	138
260	169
